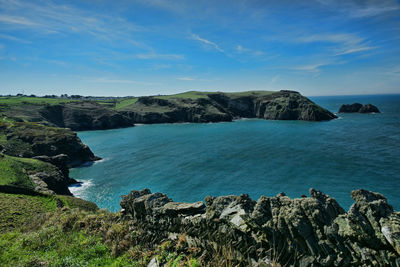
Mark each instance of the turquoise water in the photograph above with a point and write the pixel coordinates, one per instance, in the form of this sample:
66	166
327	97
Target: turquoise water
258	157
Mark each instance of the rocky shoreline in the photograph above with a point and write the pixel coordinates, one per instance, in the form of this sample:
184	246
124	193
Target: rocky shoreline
201	107
309	231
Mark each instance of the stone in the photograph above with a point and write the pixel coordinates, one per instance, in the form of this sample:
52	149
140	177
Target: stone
308	231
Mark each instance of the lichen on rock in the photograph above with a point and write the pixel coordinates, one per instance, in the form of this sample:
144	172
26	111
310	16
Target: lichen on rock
302	232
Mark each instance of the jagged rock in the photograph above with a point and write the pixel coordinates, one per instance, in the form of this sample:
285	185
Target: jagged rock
60	161
53	182
369	108
214	107
357	107
349	108
312	231
30	139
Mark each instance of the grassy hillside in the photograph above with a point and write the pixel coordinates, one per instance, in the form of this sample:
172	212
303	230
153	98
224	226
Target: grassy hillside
22	100
35	232
15	171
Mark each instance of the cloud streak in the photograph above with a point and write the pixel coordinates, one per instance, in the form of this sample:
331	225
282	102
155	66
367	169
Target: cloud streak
206	42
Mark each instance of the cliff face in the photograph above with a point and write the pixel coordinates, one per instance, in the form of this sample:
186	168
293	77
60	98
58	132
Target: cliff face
80	116
83	115
213	107
313	231
31	139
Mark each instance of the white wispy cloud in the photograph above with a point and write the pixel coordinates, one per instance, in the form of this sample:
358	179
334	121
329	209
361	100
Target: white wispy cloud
13	38
345	43
17	20
160	56
205	41
309	68
49	17
255	53
362	9
355	50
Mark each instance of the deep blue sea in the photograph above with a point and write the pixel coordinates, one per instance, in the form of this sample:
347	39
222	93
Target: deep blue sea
257	157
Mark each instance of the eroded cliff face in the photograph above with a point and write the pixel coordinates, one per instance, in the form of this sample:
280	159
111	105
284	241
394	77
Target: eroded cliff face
214	107
81	116
28	140
84	115
310	231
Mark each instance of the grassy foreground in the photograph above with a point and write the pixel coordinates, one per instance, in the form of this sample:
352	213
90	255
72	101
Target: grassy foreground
47	230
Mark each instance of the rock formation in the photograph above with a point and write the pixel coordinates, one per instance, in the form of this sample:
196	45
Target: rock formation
214	107
369	108
357	107
312	231
31	139
83	115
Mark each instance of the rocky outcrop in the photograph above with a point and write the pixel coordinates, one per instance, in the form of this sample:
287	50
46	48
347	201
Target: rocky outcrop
357	107
310	231
30	140
369	108
214	107
81	115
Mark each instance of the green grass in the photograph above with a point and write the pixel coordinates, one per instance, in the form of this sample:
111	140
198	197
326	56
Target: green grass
251	93
125	102
191	95
15	171
197	94
51	246
19	100
17	210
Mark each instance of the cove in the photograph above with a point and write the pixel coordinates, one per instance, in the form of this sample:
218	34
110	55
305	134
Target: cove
257	157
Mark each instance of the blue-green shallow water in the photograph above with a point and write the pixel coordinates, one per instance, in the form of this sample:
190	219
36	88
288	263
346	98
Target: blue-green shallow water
258	157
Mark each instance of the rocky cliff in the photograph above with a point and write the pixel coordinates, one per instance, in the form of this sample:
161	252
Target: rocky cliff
310	231
22	139
213	107
80	115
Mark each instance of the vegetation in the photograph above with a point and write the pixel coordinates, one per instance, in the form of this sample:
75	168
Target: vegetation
35	230
125	102
23	100
191	95
15	171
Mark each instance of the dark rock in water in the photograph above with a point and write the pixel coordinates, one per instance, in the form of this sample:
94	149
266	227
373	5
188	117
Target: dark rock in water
312	231
350	108
369	108
357	107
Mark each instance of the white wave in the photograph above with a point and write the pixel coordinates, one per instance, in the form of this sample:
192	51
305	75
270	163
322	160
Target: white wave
102	160
79	190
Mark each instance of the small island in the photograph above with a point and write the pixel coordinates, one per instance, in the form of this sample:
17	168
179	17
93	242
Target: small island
358	108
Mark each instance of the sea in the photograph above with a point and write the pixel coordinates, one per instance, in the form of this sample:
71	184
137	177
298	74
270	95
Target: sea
190	161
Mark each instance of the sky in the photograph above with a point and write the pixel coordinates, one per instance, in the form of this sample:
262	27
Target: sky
139	47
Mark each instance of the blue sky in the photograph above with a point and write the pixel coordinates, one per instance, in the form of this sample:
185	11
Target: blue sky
138	47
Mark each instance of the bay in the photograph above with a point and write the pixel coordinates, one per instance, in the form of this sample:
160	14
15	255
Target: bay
257	157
